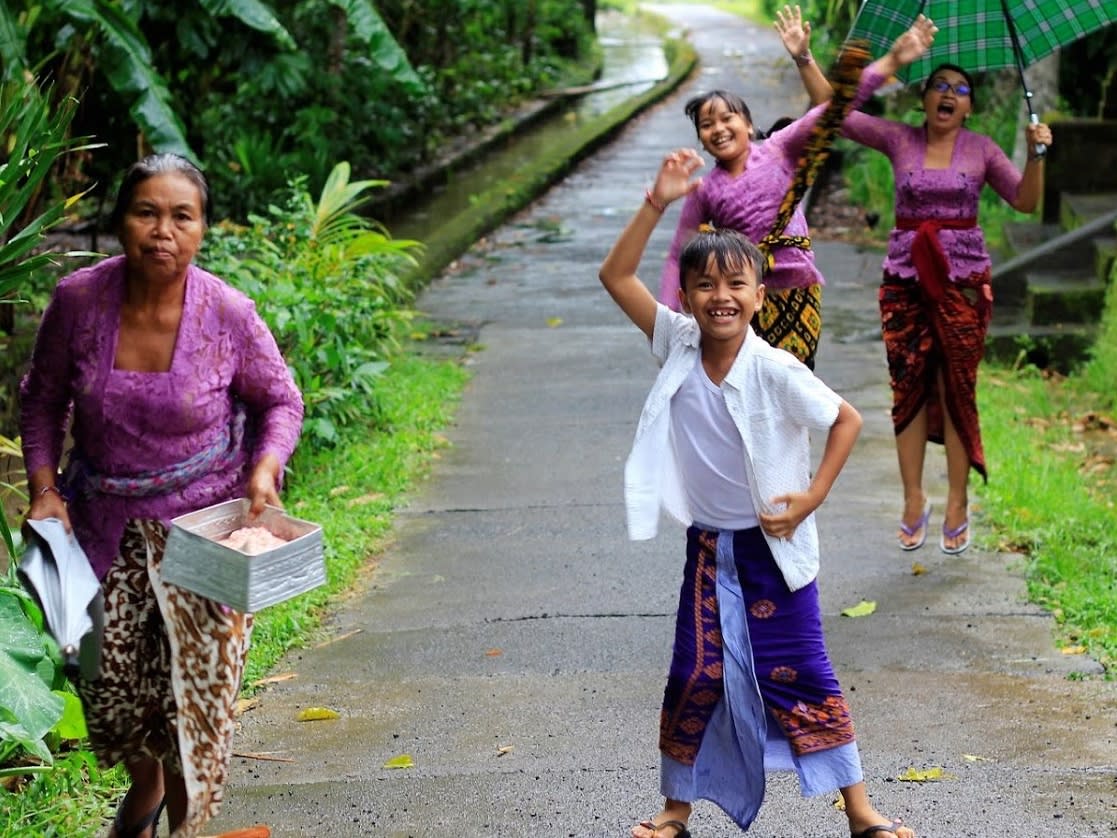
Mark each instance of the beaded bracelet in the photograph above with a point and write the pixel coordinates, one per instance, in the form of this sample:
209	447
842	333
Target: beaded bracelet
804	58
656	205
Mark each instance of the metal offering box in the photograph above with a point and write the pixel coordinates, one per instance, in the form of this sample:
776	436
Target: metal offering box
195	561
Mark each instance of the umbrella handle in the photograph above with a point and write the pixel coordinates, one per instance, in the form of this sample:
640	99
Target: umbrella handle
1041	148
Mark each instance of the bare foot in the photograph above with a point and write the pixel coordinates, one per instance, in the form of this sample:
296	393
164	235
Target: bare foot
670	823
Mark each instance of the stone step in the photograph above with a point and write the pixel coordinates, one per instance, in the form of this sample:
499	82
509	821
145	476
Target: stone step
1013	340
1063	297
1076	208
1105	258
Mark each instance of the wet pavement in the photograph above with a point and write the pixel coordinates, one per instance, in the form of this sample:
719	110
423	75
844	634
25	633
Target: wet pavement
514	644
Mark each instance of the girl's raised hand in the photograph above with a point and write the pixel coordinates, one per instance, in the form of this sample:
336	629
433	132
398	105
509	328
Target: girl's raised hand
794	32
915	41
673	180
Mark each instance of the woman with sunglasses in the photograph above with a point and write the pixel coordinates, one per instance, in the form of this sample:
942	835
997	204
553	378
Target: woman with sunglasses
936	298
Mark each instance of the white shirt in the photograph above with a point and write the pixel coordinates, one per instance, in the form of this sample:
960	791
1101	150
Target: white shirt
774	401
710	454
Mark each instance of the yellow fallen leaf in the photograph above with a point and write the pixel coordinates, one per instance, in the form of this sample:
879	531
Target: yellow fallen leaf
927	775
554	321
314	714
402	761
975	758
917	569
1073	650
862	609
504	749
243	705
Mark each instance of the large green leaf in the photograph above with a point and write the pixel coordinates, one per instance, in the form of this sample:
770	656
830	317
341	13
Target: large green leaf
28	707
251	13
125	59
13	44
369	28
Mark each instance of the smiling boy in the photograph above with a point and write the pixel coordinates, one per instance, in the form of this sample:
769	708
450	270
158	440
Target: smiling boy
722	445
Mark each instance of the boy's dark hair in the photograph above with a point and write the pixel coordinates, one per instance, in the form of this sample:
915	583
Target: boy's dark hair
955	68
732	252
149	167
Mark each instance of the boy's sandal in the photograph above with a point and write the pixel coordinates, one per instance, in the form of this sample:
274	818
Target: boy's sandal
152	820
879	829
680	828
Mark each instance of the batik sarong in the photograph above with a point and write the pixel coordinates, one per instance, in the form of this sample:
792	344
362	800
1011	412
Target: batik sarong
171	666
924	337
749	653
791	319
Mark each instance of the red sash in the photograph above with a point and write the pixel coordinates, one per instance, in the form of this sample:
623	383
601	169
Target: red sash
927	254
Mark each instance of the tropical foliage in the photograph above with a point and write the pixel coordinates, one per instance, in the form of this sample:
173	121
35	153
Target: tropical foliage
326	281
260	91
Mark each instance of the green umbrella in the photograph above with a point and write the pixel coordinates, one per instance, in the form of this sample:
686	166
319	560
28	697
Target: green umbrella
981	35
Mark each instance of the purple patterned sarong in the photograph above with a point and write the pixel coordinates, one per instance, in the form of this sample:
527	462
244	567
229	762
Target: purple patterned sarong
739	624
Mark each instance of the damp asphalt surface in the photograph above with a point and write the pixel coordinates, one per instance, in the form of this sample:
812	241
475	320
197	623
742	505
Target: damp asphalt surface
513	643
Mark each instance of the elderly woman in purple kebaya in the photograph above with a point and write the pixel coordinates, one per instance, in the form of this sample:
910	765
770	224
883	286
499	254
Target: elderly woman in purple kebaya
176	398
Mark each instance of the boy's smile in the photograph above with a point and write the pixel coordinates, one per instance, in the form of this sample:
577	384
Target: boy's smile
722	304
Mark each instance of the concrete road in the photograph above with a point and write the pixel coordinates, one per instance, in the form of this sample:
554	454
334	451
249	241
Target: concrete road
514	644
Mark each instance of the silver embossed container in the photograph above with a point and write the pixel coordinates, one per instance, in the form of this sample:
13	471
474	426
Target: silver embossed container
195	561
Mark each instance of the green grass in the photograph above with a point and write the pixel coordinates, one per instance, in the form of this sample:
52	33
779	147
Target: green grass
1052	446
353	491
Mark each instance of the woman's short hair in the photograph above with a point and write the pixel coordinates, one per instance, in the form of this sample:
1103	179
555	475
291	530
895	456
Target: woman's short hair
150	166
731	251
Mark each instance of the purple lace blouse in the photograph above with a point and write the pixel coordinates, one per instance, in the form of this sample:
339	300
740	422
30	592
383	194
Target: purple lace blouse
127	422
949	193
748	204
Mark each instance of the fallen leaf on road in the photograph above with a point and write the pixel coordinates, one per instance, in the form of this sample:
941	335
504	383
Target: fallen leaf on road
258	831
917	569
493	653
1073	650
862	609
314	714
503	749
552	322
347	634
927	775
975	758
267	756
402	761
243	705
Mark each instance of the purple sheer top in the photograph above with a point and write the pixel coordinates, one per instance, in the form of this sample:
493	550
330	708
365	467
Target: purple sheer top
949	193
748	204
126	422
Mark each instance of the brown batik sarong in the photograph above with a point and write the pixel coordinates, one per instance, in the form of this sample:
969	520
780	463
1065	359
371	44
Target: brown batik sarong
791	319
923	337
171	666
